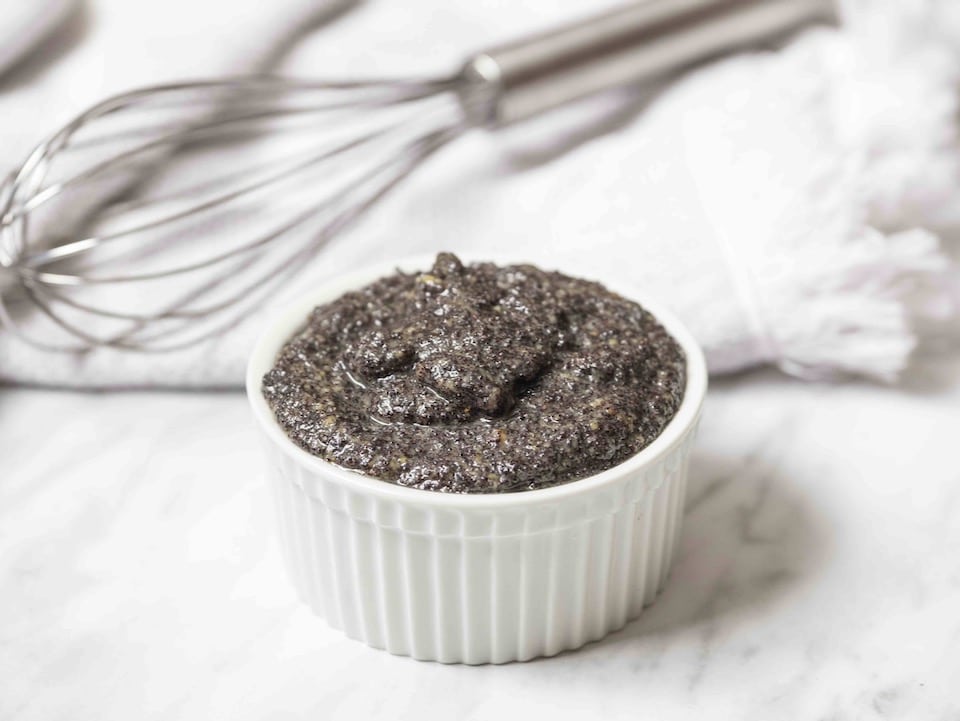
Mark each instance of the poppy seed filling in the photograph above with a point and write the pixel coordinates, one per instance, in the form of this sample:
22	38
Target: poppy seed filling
477	379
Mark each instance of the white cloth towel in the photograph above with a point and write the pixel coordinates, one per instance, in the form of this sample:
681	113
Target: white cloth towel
785	203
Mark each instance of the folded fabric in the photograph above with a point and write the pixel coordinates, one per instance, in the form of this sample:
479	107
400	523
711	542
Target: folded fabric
23	26
785	203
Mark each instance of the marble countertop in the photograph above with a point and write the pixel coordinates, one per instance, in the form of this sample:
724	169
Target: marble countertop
818	578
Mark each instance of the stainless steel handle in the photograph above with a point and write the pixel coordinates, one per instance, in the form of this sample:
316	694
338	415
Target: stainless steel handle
639	42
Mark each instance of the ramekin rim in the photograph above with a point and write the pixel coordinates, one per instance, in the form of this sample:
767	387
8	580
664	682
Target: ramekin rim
281	325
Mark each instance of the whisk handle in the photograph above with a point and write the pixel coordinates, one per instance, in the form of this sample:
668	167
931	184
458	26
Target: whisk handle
639	42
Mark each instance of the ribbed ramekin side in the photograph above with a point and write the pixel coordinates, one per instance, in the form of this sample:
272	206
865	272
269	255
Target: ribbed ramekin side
474	585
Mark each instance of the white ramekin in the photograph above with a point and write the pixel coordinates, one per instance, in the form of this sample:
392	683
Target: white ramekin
476	578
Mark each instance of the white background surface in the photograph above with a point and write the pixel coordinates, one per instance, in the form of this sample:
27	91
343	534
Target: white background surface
818	576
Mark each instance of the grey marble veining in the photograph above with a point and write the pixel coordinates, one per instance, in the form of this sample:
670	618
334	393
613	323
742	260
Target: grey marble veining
818	577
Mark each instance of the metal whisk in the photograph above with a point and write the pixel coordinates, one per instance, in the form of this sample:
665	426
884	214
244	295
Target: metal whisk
148	180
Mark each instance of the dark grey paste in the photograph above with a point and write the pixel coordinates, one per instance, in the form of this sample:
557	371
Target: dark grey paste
477	379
